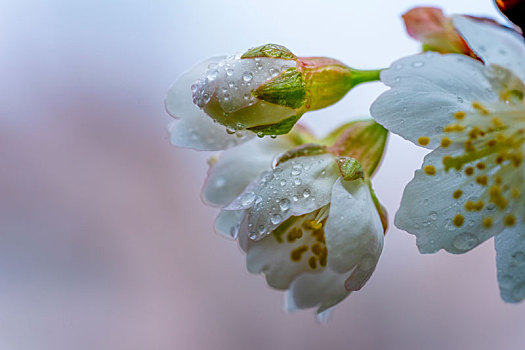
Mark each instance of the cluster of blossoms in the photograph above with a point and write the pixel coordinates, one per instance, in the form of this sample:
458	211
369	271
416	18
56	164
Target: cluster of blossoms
303	209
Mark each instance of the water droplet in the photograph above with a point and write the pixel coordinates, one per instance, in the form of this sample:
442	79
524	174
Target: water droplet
247	76
465	241
247	199
433	216
296	172
261	229
252	235
284	204
219	182
418	64
276	219
283	182
274	72
297	182
460	99
295	199
212	75
260	134
397	79
229	72
306	193
258	199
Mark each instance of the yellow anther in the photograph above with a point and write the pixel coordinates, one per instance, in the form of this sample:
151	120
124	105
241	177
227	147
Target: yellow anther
515	193
460	115
482	180
458	220
316	249
312	262
478	106
510	220
498	180
294	234
474	206
481	165
473	134
469	146
469	171
453	128
500	159
497	122
297	253
457	194
487	222
423	140
491	143
445	142
497	198
429	170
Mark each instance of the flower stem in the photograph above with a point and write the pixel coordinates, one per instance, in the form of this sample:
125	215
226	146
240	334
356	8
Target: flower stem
365	76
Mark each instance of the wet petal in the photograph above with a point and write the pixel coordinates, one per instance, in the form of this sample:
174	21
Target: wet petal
295	187
179	101
427	90
238	167
354	234
494	44
322	290
510	258
196	129
434	204
199	132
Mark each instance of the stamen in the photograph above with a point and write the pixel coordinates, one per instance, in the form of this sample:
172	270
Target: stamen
423	140
458	220
430	170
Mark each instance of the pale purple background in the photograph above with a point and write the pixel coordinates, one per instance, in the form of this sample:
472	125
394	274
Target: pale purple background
104	242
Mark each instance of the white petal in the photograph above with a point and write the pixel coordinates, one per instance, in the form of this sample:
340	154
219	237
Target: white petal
179	101
427	90
353	231
322	290
428	207
227	222
302	184
271	255
196	129
510	258
199	132
238	167
494	44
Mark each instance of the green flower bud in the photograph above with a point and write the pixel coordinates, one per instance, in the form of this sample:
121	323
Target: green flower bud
267	89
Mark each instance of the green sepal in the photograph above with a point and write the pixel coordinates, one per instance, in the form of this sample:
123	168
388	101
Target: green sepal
350	168
287	89
310	149
363	140
271	51
281	128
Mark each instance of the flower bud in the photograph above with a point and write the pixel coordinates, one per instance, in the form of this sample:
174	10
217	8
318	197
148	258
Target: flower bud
434	30
267	89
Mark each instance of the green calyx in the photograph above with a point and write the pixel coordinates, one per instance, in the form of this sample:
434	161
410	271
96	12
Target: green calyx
361	140
281	128
287	89
271	51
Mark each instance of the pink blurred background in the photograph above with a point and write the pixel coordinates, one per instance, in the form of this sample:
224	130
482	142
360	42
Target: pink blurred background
104	242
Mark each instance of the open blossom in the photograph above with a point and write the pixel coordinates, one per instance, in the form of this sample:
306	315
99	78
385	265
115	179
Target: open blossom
265	91
304	214
472	115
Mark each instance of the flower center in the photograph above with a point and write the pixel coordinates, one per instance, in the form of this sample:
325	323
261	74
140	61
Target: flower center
305	237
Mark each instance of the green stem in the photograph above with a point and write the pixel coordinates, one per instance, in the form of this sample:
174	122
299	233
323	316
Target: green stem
365	76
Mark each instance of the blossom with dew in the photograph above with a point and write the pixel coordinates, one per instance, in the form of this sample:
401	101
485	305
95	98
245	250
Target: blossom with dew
263	91
472	115
304	213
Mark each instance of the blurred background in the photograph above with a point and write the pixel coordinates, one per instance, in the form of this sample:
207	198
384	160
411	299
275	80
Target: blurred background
104	241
